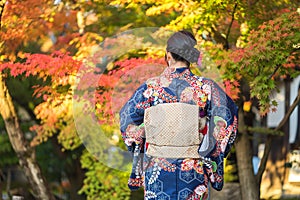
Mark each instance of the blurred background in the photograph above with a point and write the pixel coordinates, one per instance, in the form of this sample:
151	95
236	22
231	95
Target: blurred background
250	47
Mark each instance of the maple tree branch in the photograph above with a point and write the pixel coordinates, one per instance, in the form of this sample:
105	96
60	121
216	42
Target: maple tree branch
268	143
232	19
2	5
278	66
276	69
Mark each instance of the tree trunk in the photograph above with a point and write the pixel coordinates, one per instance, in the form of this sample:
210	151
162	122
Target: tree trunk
24	153
275	173
1	184
249	187
271	183
8	182
73	170
76	177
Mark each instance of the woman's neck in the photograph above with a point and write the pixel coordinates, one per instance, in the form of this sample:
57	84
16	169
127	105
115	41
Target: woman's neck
178	64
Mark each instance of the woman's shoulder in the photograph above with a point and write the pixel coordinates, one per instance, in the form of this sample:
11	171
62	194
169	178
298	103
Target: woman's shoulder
203	79
153	81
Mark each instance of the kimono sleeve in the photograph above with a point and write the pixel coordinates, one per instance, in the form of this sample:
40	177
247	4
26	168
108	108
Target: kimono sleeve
222	116
132	117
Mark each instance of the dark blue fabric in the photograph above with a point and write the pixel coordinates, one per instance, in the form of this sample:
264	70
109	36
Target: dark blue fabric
165	178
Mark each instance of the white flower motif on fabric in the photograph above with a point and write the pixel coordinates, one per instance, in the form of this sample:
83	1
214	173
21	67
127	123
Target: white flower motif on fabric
184	194
150	195
155	173
138	171
207	90
147	93
187	176
156	187
163	196
200	190
187	164
187	94
154	81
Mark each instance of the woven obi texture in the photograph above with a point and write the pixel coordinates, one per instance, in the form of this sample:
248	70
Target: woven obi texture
172	130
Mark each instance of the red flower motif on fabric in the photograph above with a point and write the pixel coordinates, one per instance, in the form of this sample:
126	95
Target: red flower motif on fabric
134	134
189	164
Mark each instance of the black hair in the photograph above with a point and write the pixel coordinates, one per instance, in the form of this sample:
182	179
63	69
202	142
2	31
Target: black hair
188	34
177	57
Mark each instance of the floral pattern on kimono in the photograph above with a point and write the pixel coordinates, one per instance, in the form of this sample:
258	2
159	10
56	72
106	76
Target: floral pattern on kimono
182	178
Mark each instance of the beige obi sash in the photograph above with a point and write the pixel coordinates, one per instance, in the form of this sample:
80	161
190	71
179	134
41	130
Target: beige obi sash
172	130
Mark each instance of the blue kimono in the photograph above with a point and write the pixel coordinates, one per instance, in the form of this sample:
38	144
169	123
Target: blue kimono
182	178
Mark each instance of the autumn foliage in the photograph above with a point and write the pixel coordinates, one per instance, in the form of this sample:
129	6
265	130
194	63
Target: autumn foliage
59	73
269	55
242	52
